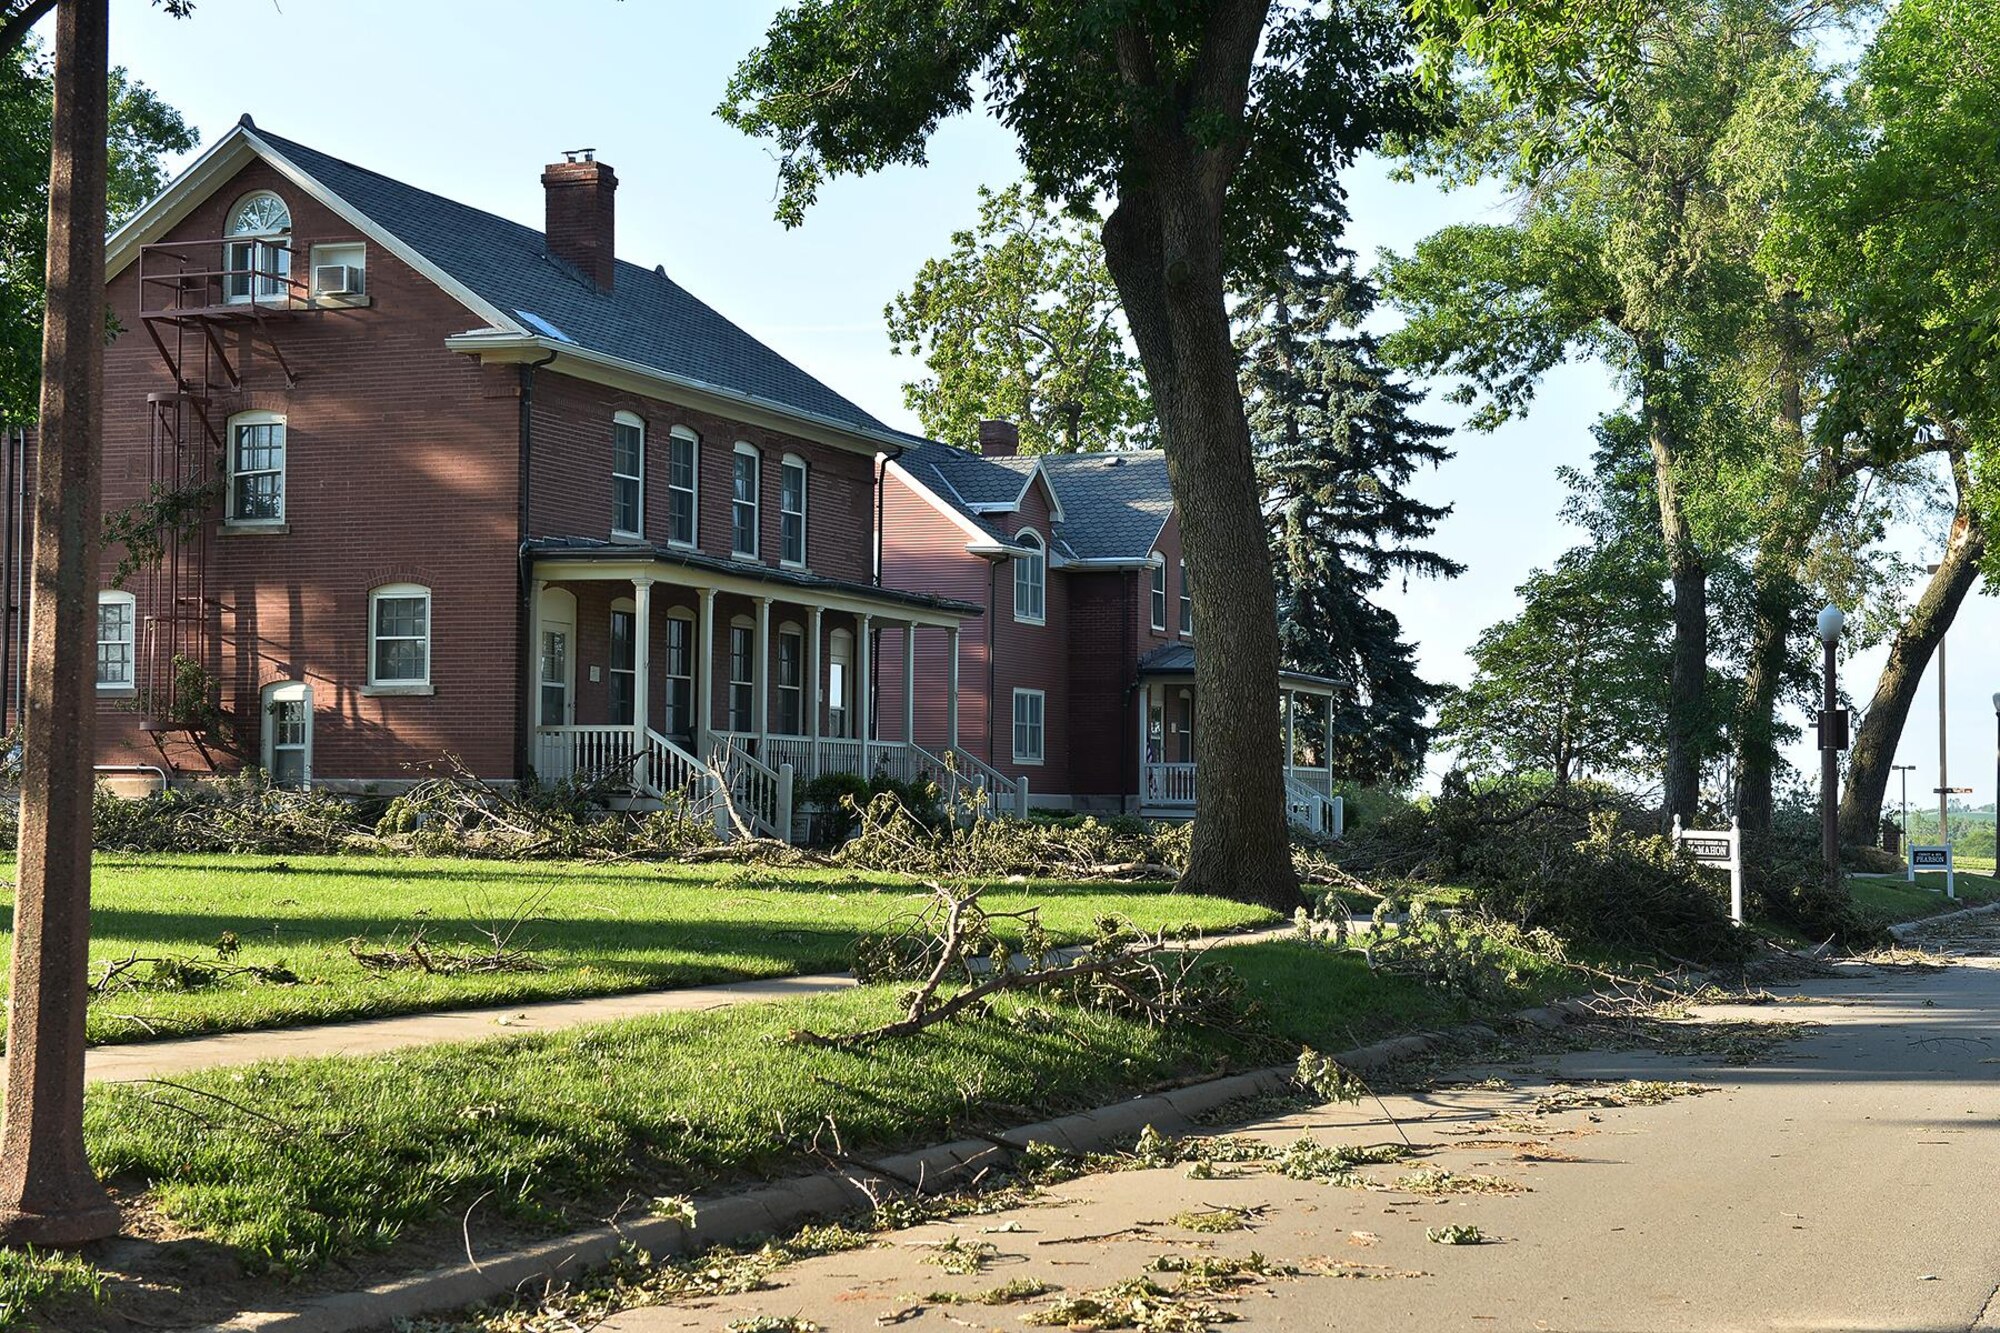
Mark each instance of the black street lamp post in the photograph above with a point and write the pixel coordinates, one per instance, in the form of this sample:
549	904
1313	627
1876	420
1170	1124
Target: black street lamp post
1832	740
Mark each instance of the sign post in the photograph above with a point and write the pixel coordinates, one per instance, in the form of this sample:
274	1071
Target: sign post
1936	858
1721	848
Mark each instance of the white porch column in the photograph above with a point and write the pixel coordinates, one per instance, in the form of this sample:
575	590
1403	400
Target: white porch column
864	695
815	693
642	658
1291	700
1326	742
1145	707
951	689
910	683
760	694
704	677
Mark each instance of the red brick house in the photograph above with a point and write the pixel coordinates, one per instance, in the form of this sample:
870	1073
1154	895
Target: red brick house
1080	680
426	481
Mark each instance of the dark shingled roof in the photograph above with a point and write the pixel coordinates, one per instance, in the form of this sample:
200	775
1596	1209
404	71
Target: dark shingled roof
1113	504
1177	659
647	318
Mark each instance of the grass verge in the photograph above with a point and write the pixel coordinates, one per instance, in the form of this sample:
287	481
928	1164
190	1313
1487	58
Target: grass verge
1893	900
598	929
291	1165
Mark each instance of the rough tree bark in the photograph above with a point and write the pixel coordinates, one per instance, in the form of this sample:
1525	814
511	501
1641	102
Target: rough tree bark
1163	245
1874	754
48	1194
1687	715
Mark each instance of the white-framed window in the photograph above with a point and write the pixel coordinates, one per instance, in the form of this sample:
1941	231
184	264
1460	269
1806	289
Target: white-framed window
792	480
628	475
339	272
555	658
680	674
742	676
1187	602
746	477
259	251
624	668
117	631
288	718
839	683
1028	709
1031	573
256	468
1156	574
683	485
791	720
399	635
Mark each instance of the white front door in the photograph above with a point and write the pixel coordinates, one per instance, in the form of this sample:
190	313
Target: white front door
288	727
555	660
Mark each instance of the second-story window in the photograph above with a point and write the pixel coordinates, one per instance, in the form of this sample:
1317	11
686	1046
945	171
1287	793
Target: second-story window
792	506
116	620
1157	572
628	475
1187	602
259	250
683	485
743	500
256	468
1031	579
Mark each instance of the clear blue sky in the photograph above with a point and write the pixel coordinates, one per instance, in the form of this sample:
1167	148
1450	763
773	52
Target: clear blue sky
471	99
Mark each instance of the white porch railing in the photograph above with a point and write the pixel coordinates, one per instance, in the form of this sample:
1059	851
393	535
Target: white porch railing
1310	808
562	753
1168	789
761	794
657	769
1004	795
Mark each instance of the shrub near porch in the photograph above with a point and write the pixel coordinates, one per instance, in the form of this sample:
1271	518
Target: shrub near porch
594	929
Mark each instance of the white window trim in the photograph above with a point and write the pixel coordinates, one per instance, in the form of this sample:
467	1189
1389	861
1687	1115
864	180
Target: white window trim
748	625
1186	625
694	493
129	687
257	418
778	686
400	686
840	645
1029	537
273	694
1156	591
785	465
620	606
638	423
1014	727
667	668
258	240
745	449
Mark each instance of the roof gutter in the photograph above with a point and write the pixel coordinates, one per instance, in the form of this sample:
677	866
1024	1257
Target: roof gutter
501	345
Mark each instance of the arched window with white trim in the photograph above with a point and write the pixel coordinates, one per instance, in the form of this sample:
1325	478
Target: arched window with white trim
399	635
1156	571
628	475
680	676
258	253
624	654
1031	572
683	485
792	481
256	463
791	680
742	674
839	684
1187	602
746	481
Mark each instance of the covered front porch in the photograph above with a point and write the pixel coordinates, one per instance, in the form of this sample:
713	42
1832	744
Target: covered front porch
1168	742
730	686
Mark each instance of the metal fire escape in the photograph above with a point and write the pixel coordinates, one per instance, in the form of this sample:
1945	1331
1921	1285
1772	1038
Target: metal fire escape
192	300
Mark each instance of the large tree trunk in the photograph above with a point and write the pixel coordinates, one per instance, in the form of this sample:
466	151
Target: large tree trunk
1774	598
1163	244
48	1194
1687	714
1874	753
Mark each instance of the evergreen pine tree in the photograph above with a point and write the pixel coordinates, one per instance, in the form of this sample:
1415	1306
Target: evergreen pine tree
1337	445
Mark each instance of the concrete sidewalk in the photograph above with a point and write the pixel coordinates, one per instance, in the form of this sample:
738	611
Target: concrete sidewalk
1845	1181
133	1061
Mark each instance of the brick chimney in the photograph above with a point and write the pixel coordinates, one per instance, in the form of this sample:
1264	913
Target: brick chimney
580	228
999	439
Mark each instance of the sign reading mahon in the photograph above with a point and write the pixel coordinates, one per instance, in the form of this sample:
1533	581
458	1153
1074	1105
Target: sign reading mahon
1721	848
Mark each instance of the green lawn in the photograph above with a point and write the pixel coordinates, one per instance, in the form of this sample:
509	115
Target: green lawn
309	1160
1896	899
601	929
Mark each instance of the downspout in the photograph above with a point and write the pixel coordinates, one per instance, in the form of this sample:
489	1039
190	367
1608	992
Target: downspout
881	487
1128	781
992	654
524	612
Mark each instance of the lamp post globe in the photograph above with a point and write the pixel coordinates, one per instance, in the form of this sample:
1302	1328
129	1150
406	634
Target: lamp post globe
1831	622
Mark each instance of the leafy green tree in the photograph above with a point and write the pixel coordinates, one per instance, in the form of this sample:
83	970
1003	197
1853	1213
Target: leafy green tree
1021	321
1575	683
1215	131
143	130
1337	445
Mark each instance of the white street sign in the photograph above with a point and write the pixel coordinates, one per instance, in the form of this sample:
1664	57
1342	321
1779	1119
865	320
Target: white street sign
1721	848
1937	857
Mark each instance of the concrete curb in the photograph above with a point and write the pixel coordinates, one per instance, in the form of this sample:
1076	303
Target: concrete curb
1902	930
774	1209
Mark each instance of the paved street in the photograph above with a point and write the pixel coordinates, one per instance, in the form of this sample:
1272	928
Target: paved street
1845	1180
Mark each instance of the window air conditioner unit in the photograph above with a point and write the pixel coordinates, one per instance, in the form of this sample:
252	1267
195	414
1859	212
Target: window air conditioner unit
337	280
